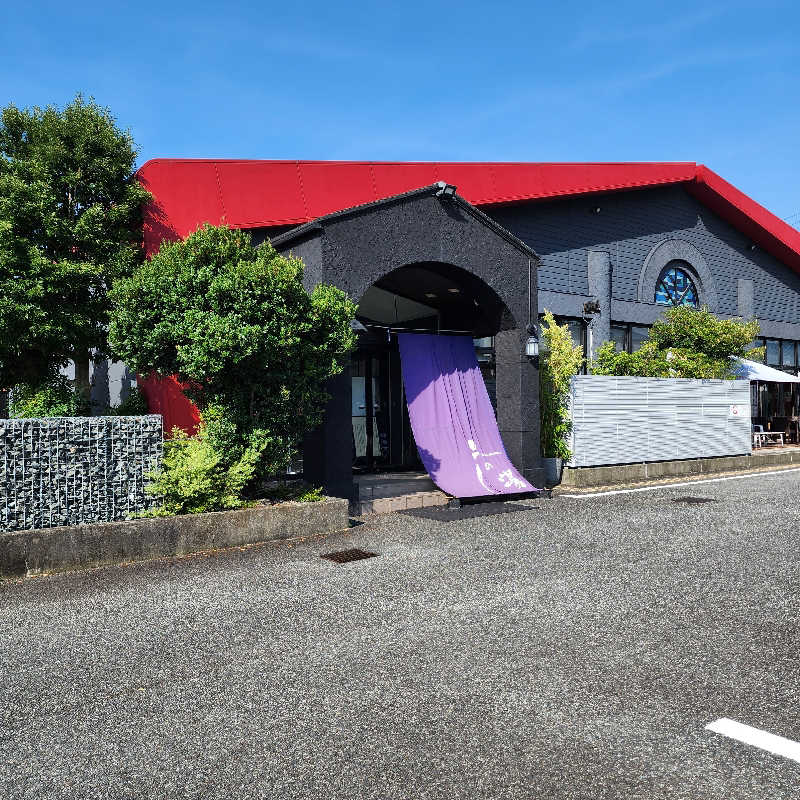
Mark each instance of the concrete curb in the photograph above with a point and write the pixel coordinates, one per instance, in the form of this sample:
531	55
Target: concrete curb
686	480
33	552
625	474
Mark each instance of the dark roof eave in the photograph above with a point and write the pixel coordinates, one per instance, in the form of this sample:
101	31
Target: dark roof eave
308	229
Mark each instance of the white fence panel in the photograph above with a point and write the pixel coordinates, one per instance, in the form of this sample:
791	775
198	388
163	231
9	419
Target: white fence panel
626	420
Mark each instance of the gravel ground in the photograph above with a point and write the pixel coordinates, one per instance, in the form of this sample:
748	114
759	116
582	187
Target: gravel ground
571	651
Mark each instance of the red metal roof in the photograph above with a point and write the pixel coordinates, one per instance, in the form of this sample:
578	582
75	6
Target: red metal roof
255	194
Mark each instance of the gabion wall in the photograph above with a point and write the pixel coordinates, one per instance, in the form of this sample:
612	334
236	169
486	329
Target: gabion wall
72	470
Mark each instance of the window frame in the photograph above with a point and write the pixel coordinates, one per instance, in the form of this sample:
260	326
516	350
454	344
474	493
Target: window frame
684	268
783	345
629	326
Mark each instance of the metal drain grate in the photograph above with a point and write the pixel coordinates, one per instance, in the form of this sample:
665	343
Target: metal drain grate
345	556
693	500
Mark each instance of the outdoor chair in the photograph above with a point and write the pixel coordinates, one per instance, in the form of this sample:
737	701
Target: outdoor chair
782	425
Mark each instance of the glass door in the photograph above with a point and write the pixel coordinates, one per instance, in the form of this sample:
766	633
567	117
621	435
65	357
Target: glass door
382	440
370	410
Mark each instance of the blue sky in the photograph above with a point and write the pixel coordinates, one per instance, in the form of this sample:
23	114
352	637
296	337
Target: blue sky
717	83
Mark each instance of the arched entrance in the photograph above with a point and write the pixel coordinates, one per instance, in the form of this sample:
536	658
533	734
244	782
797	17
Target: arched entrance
427	297
429	260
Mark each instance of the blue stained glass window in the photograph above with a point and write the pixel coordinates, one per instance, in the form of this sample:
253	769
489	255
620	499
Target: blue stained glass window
675	287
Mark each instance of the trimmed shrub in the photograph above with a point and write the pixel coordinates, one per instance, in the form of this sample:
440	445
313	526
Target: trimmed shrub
195	478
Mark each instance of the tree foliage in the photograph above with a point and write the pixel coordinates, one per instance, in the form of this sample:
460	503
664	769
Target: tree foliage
235	324
560	360
70	223
686	343
134	405
53	398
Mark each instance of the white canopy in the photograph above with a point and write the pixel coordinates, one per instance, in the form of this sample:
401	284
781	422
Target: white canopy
753	371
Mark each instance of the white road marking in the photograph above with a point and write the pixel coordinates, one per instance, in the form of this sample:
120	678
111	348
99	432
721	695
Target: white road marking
756	738
684	483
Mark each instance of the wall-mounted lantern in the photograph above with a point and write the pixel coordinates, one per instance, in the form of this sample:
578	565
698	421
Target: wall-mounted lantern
591	307
532	344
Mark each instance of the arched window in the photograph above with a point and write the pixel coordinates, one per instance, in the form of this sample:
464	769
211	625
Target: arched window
676	287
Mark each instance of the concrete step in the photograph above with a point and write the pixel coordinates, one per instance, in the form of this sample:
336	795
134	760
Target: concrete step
393	484
387	505
395	488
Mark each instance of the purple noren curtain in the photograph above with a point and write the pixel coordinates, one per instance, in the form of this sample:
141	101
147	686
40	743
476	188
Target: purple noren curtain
452	418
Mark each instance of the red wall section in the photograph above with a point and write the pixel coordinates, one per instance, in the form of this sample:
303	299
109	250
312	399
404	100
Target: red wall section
184	197
329	187
253	194
165	397
251	189
765	229
516	182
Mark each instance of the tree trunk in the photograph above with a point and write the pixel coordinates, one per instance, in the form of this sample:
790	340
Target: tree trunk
82	377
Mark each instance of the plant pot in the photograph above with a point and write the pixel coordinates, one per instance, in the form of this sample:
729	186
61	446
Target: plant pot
552	471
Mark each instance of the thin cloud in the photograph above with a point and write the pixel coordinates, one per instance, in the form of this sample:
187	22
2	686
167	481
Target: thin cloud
698	60
291	44
307	46
590	92
661	31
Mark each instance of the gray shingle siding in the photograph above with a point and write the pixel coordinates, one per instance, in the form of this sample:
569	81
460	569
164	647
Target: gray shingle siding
629	225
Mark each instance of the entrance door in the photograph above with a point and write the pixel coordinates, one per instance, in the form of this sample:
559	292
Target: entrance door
382	440
370	428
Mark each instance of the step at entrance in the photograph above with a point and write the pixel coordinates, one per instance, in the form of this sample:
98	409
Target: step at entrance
383	494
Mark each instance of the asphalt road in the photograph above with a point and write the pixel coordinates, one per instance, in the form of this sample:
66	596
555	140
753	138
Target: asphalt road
576	650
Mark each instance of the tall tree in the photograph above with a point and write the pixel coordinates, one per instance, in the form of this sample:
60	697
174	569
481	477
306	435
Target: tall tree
70	224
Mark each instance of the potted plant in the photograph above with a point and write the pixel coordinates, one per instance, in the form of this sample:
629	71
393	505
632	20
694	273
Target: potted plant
560	359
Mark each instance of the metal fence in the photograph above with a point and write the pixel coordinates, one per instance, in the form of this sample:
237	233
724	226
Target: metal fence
72	470
626	420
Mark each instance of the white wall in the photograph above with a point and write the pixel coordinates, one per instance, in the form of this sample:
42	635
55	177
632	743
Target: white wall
630	420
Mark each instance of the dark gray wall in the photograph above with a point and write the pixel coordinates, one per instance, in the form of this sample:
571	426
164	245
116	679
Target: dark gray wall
628	226
355	250
359	249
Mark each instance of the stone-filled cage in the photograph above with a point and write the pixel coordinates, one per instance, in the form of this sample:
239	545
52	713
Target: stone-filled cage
74	470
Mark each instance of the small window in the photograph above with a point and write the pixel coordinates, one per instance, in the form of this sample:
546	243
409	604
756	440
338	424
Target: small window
577	331
619	335
627	337
773	351
787	354
638	336
675	287
484	349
